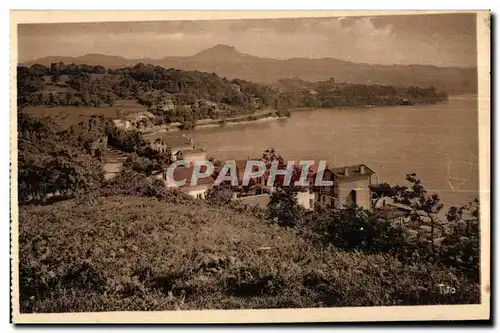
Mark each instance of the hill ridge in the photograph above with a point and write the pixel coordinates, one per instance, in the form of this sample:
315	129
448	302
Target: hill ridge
227	61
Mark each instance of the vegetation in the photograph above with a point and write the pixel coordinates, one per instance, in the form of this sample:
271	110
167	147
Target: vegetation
51	162
55	163
131	244
187	96
132	253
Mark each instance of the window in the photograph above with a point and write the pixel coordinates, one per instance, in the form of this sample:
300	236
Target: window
353	196
311	203
199	196
332	202
336	190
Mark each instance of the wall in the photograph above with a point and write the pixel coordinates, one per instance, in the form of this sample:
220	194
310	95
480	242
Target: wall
304	199
198	191
160	147
359	183
123	124
325	201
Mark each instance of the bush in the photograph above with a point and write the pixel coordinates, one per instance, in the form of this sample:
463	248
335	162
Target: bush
284	209
460	247
132	253
219	195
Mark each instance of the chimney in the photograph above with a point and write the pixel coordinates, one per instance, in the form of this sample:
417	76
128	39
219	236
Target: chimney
346	171
362	169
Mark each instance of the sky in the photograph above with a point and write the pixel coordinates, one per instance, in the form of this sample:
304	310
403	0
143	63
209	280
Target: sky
440	40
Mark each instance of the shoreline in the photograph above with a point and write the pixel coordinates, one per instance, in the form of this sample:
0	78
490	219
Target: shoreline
214	123
366	107
270	116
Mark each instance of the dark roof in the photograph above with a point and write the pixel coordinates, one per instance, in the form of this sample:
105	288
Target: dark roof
352	170
181	173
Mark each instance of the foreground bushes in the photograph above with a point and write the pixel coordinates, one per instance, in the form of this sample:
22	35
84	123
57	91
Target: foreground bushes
132	253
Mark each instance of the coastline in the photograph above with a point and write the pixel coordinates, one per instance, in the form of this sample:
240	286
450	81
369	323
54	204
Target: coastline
214	123
267	116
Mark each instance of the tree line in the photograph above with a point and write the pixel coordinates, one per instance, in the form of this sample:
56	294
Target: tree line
177	95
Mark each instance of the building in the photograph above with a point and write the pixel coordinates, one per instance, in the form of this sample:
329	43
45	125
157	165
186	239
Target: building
306	199
255	102
185	174
258	184
122	124
173	145
351	185
141	120
258	193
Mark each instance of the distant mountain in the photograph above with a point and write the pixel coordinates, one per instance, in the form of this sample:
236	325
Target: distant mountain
226	61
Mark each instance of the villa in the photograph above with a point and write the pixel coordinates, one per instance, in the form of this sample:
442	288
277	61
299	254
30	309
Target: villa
351	185
184	174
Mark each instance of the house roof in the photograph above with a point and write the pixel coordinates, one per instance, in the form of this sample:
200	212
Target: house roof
339	172
186	173
352	171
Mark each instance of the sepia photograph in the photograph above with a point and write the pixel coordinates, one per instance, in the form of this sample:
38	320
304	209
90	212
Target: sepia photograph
289	167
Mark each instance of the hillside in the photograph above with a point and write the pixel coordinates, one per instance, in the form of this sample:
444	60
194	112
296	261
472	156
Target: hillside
132	253
228	62
131	244
178	96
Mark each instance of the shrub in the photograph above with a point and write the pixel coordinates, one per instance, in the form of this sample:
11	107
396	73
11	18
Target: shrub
132	253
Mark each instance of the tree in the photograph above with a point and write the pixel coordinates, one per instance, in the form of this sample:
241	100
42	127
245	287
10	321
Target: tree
140	164
269	157
424	208
48	167
461	246
352	228
50	163
219	195
380	191
284	209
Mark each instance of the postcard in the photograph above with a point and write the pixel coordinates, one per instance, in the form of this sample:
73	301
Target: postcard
250	166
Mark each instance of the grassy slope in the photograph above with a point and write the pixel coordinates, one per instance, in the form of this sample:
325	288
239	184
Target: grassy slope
67	116
130	253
